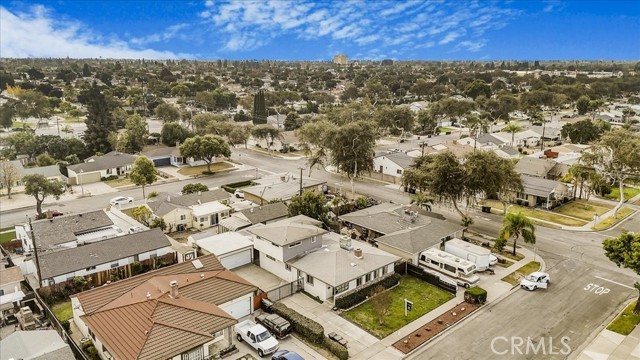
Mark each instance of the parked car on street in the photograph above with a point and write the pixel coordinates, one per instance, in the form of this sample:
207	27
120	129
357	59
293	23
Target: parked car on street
257	337
120	200
286	355
278	326
239	194
535	280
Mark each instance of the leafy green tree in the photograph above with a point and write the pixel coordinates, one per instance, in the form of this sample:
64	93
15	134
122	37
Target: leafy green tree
205	148
99	122
33	104
8	176
267	133
172	133
616	156
397	120
45	159
143	173
427	122
291	122
194	188
422	200
38	186
136	135
381	303
624	251
516	225
584	131
447	180
476	88
167	113
143	215
7	113
582	105
259	109
311	204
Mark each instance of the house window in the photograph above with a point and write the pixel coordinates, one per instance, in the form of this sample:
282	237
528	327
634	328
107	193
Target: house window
359	281
270	257
287	267
136	258
313	239
367	277
375	274
90	268
109	171
399	171
309	279
202	219
183	217
384	271
195	354
341	288
295	244
114	265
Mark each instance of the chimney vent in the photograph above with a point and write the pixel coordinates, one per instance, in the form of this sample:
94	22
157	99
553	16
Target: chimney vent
148	295
252	210
174	289
358	253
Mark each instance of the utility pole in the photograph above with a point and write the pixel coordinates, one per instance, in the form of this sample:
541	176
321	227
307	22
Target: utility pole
301	168
422	144
35	252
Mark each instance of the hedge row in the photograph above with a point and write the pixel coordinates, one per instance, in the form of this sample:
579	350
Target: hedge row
231	188
310	330
362	294
475	295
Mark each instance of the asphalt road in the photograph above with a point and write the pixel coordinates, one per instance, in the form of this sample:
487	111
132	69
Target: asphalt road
578	302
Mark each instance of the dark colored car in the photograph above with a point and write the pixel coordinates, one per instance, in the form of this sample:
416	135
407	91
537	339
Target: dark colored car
277	325
286	355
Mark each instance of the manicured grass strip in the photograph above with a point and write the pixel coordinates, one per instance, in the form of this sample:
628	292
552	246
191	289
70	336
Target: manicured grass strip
629	192
525	270
425	297
197	170
537	214
626	321
7	237
582	209
610	221
63	311
8	228
506	264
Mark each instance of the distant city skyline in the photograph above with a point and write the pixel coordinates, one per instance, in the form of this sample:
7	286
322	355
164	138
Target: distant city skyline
308	30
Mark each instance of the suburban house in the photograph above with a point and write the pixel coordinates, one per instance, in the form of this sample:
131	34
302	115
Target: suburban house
387	218
200	210
10	290
538	191
231	248
255	215
298	249
526	138
392	164
104	260
95	168
35	345
544	168
184	311
51	172
169	156
283	189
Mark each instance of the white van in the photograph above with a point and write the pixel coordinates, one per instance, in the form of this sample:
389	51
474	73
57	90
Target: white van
461	270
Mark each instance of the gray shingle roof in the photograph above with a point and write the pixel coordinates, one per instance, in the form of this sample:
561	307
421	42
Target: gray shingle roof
158	151
282	190
164	203
35	345
538	186
534	167
289	230
488	138
421	238
266	213
66	261
385	218
62	229
399	158
110	160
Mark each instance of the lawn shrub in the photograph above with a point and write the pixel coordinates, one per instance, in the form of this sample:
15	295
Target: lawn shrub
362	294
475	295
336	349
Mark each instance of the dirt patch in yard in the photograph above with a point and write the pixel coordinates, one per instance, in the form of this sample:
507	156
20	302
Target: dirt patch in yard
435	327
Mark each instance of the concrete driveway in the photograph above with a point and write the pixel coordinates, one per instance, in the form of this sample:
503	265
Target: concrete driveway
259	277
290	343
361	344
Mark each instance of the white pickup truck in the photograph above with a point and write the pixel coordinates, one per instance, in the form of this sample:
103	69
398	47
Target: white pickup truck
256	336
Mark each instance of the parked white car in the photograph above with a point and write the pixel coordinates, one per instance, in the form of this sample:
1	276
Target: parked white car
120	200
493	260
238	194
535	280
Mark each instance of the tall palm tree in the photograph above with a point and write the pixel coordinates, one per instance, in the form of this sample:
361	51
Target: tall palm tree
512	128
516	225
422	200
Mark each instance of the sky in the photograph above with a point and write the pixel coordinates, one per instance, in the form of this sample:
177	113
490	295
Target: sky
317	30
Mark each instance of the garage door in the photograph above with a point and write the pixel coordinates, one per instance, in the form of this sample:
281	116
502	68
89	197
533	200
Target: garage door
235	260
162	162
239	309
88	178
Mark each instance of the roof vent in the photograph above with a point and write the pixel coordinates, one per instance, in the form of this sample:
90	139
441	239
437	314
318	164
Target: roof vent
358	253
251	211
201	276
148	295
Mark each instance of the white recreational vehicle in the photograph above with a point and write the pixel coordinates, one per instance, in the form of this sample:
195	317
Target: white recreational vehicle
461	270
467	251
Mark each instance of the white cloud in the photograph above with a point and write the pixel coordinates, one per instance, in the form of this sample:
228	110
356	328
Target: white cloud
472	46
41	34
450	37
171	32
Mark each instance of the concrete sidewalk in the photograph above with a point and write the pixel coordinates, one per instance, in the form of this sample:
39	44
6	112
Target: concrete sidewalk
611	345
22	201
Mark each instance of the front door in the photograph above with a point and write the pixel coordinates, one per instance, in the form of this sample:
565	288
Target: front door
381	168
214	219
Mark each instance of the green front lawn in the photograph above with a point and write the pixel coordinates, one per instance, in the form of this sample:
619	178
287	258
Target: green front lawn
536	213
582	209
626	321
198	170
610	221
425	297
525	270
63	311
7	236
629	192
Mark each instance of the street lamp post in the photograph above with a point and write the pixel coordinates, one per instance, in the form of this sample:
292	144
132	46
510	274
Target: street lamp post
301	168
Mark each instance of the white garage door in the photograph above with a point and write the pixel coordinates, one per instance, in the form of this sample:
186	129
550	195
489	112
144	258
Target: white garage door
239	308
235	260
